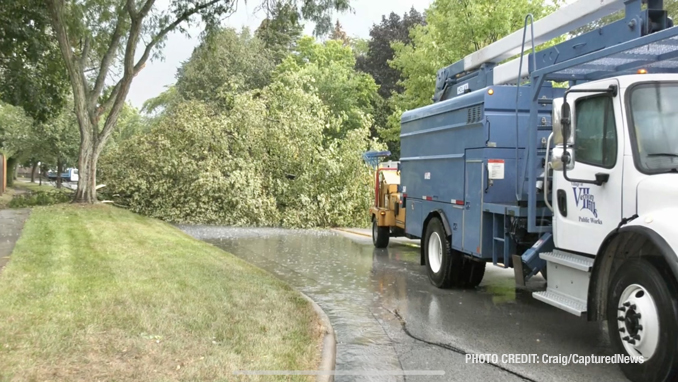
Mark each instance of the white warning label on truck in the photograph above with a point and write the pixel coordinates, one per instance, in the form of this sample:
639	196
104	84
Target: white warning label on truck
495	168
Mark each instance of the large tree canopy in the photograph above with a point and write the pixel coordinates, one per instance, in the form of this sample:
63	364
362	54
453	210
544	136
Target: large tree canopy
15	129
225	64
379	53
54	143
338	33
104	44
280	31
32	73
374	56
286	149
330	68
267	162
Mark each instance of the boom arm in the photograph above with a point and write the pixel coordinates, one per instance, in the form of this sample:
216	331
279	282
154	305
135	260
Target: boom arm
480	68
564	20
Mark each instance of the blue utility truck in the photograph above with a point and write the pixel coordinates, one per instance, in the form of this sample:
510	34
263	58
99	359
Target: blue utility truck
578	183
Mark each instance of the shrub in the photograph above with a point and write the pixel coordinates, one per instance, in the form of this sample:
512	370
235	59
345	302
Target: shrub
40	198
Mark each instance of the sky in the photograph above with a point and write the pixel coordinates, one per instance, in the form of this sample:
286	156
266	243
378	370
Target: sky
159	74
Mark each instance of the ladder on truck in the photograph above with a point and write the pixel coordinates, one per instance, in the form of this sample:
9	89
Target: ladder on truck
642	39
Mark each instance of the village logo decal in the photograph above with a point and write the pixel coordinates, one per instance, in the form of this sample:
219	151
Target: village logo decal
587	201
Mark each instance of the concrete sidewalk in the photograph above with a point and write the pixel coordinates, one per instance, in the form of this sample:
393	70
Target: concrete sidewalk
11	224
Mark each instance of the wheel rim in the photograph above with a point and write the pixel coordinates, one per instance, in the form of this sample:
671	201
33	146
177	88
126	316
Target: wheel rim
638	321
435	252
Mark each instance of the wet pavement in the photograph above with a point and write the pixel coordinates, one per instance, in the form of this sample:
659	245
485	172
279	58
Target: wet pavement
369	294
11	224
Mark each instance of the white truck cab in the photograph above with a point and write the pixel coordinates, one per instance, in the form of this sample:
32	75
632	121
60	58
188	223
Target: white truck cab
629	138
615	206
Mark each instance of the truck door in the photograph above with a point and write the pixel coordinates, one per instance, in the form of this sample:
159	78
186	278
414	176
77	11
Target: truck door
585	213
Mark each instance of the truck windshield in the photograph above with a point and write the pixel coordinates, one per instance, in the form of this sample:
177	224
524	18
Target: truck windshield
654	110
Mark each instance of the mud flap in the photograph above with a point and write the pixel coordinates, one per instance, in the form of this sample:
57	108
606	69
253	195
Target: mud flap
518	271
529	264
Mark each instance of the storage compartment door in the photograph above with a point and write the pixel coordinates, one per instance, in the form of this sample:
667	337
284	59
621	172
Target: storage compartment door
473	214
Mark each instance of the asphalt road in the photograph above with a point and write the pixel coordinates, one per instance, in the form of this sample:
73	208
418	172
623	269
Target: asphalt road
389	317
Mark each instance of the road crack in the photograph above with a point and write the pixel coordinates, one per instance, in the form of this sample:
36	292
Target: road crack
391	340
452	348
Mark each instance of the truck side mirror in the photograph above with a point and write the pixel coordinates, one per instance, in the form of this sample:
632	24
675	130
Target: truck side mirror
566	121
562	130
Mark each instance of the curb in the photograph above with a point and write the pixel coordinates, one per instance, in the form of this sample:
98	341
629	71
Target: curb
328	358
342	230
346	232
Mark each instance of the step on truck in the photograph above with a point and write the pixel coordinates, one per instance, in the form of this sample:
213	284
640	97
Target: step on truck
579	183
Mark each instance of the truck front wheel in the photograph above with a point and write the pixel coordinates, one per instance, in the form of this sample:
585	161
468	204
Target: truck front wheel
642	315
444	264
380	235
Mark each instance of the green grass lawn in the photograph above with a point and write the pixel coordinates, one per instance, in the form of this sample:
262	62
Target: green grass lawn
98	293
20	183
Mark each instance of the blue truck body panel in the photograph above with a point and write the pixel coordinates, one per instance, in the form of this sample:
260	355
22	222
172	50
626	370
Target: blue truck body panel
445	149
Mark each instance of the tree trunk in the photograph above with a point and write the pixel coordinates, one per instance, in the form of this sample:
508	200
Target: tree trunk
60	169
35	166
87	106
87	170
43	173
11	171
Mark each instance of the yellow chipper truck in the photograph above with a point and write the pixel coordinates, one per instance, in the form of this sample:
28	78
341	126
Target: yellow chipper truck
388	211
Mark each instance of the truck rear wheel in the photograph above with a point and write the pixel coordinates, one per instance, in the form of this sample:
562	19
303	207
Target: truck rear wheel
444	264
642	315
380	235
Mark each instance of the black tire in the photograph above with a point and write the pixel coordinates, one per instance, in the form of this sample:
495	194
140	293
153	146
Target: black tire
663	363
446	273
380	235
472	274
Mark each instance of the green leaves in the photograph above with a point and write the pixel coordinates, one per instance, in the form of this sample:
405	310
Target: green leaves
225	64
40	198
32	74
379	51
329	73
47	142
235	168
280	31
15	129
241	144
